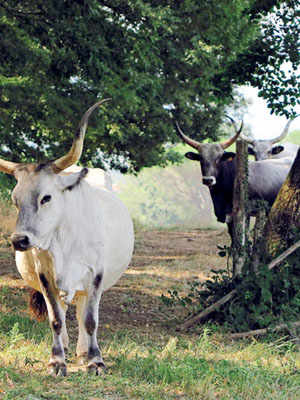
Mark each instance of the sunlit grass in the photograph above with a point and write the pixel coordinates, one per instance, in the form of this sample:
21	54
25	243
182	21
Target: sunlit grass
144	366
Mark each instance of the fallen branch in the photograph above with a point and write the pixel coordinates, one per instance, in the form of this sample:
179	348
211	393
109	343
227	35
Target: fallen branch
198	317
264	331
188	323
284	255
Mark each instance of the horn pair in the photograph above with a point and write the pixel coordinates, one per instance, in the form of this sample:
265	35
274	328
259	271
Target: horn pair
283	134
197	145
73	154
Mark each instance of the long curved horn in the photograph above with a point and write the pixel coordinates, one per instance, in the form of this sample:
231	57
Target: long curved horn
8	167
231	140
75	152
196	145
285	131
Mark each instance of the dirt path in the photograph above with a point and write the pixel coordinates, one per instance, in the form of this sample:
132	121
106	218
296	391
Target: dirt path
162	261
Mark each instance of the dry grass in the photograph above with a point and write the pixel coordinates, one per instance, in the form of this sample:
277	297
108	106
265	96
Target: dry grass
146	358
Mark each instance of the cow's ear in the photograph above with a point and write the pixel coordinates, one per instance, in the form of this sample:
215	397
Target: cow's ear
71	180
192	156
277	149
227	156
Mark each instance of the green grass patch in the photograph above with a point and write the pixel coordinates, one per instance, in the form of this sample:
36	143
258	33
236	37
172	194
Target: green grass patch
11	298
183	368
15	324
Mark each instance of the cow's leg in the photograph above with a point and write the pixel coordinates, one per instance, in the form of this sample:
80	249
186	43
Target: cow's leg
83	340
57	317
87	315
64	332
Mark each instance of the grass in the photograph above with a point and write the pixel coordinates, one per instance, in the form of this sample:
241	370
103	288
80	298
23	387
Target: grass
174	367
146	357
144	363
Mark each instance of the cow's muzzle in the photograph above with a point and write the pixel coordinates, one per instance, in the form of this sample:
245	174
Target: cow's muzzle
20	242
208	180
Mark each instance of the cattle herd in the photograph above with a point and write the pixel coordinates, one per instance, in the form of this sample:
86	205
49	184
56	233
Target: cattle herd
265	175
73	240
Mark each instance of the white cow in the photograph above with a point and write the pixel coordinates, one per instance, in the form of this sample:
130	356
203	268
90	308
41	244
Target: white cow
73	241
269	148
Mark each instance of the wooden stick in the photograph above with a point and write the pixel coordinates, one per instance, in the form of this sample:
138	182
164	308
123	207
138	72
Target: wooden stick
263	331
198	317
188	323
284	255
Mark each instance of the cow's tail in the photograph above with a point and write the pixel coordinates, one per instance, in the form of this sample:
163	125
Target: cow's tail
37	305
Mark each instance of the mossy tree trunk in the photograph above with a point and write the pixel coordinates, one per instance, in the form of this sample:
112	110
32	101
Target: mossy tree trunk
240	221
283	226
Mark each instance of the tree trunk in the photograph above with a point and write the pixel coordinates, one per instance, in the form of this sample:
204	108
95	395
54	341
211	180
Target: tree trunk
283	225
239	211
258	233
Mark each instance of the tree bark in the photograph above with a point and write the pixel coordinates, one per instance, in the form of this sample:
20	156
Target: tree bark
283	225
239	209
258	232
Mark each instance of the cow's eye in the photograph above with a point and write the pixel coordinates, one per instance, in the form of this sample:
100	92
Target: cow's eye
46	199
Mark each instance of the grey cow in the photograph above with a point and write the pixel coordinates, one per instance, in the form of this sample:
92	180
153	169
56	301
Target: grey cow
264	149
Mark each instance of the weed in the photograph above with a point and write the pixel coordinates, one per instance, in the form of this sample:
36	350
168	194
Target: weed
11	324
14	335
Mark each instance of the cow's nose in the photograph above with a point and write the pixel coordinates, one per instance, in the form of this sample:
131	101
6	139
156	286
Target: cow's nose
20	242
208	180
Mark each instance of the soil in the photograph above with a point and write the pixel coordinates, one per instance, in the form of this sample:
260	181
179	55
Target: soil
162	260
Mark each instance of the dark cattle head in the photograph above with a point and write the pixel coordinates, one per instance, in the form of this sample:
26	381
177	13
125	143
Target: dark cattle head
39	193
264	149
210	155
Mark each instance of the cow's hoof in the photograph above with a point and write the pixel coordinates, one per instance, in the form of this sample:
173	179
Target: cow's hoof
58	369
95	368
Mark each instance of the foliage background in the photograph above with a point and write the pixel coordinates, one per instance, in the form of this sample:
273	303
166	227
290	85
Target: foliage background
152	57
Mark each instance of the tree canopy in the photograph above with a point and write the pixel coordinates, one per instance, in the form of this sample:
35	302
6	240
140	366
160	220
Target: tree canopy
272	62
153	58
